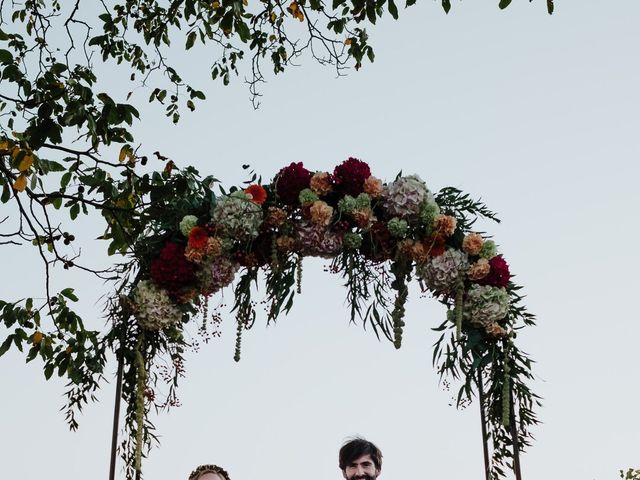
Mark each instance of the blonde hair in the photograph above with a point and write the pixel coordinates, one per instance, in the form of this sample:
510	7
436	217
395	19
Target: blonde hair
202	469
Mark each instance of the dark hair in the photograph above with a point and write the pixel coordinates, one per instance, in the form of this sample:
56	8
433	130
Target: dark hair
202	469
357	447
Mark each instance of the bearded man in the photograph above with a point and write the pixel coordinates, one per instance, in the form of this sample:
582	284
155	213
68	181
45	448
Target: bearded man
359	459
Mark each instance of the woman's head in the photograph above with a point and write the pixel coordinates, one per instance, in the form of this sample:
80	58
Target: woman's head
209	472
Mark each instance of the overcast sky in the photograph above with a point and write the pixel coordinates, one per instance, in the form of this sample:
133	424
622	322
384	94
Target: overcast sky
536	114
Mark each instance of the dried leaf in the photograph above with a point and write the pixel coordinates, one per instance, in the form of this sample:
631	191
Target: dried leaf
20	184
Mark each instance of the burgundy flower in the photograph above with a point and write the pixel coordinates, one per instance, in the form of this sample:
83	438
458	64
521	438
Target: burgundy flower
499	274
171	270
350	175
290	181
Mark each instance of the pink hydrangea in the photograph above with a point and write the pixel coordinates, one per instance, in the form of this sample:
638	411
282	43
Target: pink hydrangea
404	197
318	241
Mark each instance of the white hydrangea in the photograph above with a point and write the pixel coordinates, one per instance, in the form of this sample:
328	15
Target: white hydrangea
441	274
154	309
485	305
238	216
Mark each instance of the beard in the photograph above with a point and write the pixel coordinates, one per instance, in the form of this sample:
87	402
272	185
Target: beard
362	477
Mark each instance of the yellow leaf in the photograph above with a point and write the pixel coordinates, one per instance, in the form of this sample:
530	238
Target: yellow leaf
245	2
348	41
215	5
15	151
4	147
20	184
37	338
25	163
296	11
124	152
273	17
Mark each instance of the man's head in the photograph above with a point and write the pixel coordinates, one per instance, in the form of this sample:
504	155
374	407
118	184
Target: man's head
360	459
209	472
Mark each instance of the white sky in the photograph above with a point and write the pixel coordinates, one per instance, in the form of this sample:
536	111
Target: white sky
538	115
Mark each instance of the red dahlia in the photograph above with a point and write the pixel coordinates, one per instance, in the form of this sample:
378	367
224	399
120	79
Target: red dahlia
257	192
198	238
499	274
350	175
290	181
171	270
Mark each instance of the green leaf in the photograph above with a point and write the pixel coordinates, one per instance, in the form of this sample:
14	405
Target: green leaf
48	371
58	68
198	94
68	293
6	193
504	3
74	211
6	57
550	6
393	9
371	12
5	345
446	4
243	31
370	54
191	39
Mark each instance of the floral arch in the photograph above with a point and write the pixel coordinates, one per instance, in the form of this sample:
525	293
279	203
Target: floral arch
194	238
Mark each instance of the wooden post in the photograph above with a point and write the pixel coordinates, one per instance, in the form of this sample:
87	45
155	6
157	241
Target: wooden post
483	420
116	418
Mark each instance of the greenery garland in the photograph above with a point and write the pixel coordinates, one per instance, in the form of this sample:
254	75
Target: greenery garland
184	243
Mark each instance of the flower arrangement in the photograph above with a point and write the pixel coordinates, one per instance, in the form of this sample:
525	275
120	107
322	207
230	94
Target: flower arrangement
376	235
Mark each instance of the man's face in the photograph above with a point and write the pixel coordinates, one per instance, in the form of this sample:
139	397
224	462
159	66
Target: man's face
211	476
361	468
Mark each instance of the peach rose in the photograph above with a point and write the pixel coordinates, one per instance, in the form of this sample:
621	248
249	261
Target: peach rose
479	270
320	213
405	247
363	218
194	255
373	187
445	225
419	253
495	330
472	244
286	243
276	216
320	183
214	247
